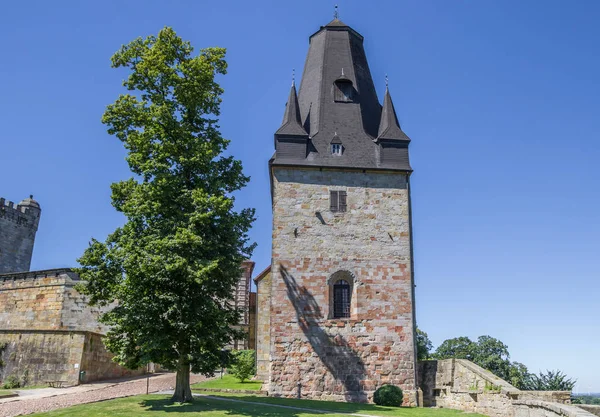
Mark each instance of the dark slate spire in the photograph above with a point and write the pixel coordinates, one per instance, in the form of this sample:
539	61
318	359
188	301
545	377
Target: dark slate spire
389	128
337	98
292	124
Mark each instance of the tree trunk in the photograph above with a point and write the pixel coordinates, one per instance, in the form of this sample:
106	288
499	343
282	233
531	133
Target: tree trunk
183	392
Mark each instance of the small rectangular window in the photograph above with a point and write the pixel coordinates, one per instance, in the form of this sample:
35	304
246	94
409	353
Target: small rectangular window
336	149
337	201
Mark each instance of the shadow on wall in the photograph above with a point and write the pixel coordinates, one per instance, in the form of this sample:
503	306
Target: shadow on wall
344	365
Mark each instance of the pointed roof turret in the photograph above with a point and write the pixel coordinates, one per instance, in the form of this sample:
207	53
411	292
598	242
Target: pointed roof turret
389	128
337	97
292	124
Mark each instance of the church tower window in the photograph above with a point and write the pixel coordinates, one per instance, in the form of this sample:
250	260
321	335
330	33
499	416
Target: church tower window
341	299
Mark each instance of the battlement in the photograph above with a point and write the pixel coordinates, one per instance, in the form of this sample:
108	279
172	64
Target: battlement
18	226
26	215
63	274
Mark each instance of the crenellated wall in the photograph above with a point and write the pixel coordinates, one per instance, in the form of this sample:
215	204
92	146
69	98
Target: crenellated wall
18	226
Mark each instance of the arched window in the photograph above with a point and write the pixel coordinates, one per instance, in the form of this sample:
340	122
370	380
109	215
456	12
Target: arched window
341	299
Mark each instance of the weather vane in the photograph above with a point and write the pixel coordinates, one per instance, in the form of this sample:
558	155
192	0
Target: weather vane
336	14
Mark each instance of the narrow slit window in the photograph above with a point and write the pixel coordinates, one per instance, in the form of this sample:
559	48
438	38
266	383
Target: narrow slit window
341	299
337	201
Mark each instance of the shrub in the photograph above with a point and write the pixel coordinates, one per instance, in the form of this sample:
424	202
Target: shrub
243	366
11	382
389	395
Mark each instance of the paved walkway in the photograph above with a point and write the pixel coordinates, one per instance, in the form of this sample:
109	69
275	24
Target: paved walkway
46	399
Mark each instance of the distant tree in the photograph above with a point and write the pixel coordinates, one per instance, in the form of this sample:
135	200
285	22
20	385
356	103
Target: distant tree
487	352
491	354
172	266
518	375
551	381
424	345
458	348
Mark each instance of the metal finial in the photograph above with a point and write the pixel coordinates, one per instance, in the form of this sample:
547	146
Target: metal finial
31	196
336	13
386	81
293	76
342	72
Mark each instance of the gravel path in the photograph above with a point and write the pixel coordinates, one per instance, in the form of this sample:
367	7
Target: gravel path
118	389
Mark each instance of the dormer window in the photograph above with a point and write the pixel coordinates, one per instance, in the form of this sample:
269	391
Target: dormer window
343	91
336	149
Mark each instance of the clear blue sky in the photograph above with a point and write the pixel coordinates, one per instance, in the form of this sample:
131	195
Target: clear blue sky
501	100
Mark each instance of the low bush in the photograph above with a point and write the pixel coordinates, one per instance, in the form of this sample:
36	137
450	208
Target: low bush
389	395
11	382
243	366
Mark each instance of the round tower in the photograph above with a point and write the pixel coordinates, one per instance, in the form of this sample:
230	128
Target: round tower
18	227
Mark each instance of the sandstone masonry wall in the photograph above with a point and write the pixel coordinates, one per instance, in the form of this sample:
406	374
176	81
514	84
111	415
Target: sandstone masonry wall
45	300
44	356
97	362
594	409
460	384
370	244
263	327
50	332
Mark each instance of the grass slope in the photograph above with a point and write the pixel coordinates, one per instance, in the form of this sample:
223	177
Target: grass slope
160	406
229	382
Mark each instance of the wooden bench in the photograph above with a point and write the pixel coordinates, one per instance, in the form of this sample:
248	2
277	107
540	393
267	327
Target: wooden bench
55	384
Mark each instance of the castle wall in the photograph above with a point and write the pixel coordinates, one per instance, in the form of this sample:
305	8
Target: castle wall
341	359
97	362
42	355
45	300
462	385
49	332
18	226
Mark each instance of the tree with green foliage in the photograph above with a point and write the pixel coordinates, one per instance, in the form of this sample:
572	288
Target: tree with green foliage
424	345
170	269
243	365
518	375
550	381
491	354
458	348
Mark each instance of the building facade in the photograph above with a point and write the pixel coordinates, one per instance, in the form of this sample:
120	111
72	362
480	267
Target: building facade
18	226
340	292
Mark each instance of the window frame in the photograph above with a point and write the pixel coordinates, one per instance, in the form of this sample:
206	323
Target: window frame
338	201
342	299
337	149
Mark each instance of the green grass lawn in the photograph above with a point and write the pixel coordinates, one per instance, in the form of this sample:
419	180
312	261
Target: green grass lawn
159	405
5	392
229	382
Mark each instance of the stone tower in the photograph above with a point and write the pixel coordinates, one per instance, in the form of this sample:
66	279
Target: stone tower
18	226
342	319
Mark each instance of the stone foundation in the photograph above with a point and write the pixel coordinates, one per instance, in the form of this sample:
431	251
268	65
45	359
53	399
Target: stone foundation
42	356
